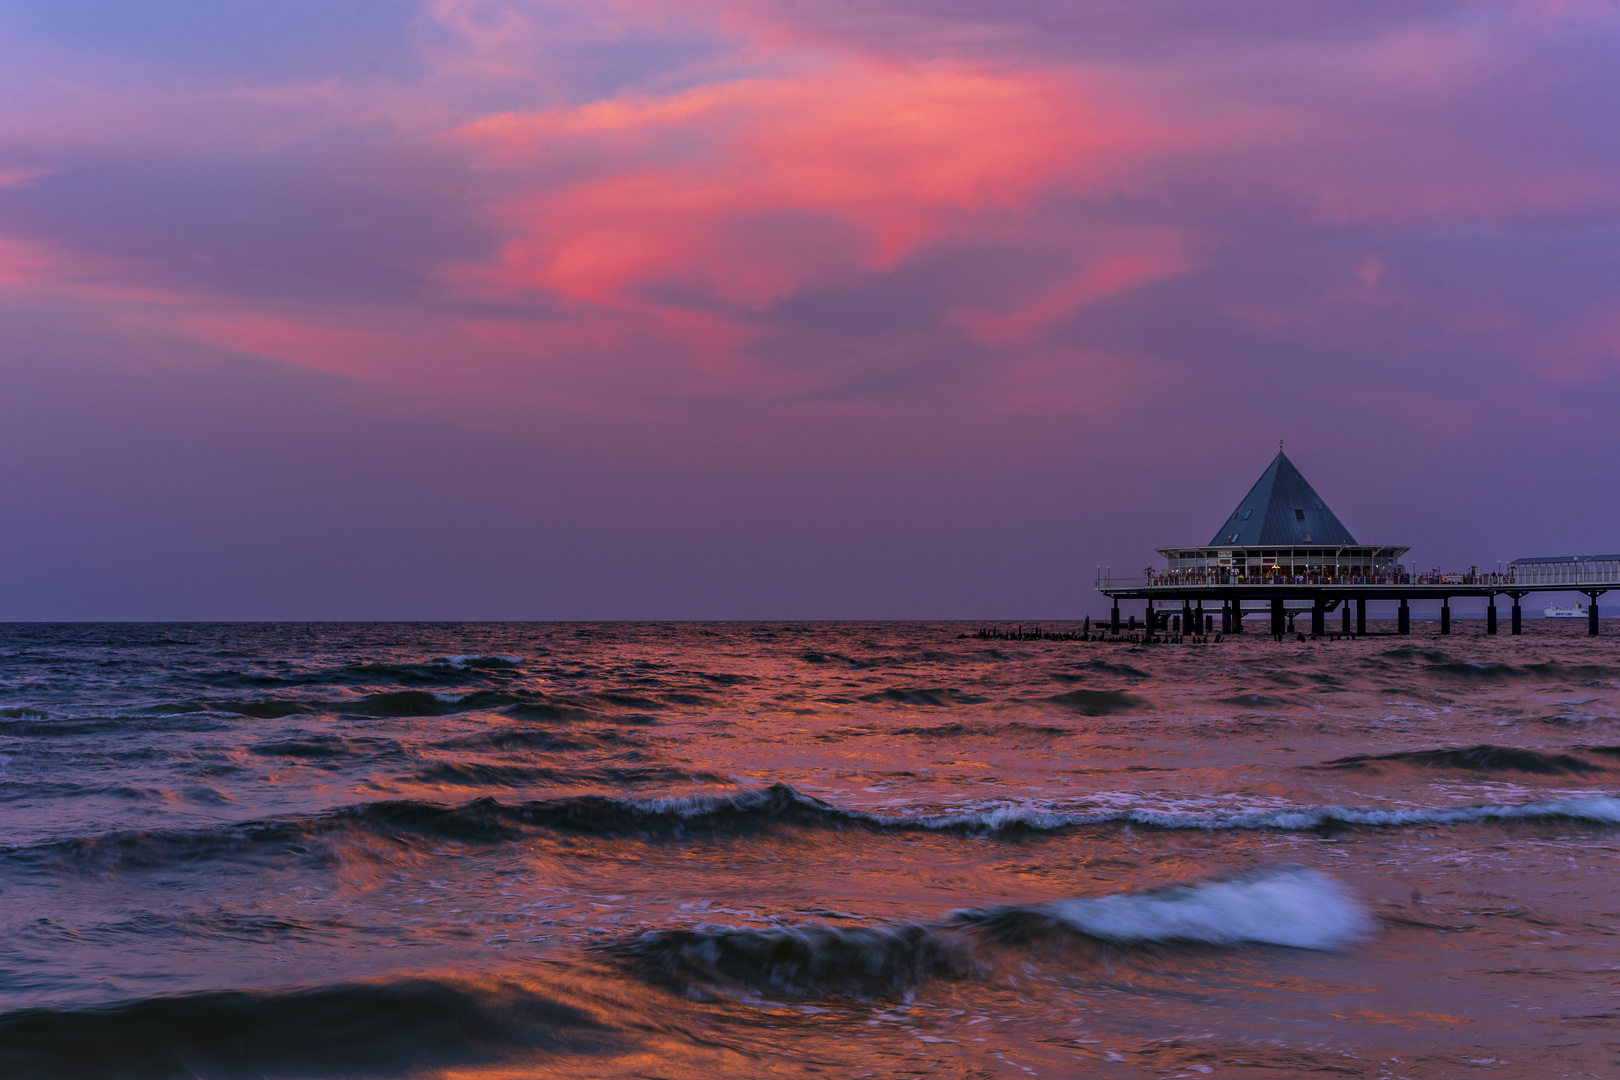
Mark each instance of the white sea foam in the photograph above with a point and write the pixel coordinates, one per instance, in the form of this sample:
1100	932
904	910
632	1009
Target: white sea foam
1288	905
465	659
1598	809
779	799
695	806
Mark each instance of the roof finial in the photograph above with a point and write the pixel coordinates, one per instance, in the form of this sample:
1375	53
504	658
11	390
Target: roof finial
1279	446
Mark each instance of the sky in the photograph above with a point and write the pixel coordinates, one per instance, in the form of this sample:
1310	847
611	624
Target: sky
786	309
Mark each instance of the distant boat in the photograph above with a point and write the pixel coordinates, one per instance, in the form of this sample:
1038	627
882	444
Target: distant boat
1558	611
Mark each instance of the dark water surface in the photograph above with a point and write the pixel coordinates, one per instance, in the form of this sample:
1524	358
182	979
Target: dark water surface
760	850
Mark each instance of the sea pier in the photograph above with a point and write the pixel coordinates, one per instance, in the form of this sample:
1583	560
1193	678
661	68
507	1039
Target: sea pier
1283	553
1208	602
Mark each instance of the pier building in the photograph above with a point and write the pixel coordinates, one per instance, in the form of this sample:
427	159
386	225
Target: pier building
1281	529
1283	552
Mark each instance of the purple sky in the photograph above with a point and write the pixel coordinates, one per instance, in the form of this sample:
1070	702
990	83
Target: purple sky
815	309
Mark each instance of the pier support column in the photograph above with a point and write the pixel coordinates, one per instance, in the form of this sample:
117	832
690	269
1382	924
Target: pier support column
1404	618
1278	618
1237	616
1518	622
1344	617
1318	618
1490	616
1361	616
1592	612
1187	624
1113	623
1226	617
1445	614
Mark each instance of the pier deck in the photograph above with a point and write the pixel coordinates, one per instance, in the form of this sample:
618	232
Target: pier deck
1157	588
1320	594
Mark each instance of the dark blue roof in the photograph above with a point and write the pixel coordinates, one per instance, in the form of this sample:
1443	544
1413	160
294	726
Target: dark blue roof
1282	509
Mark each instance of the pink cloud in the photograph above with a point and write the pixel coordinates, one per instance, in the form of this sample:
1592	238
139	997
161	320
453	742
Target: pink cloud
1081	383
25	264
1110	261
898	159
644	238
35	270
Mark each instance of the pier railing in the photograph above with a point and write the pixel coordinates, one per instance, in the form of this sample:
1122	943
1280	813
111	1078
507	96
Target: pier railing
1532	577
1181	578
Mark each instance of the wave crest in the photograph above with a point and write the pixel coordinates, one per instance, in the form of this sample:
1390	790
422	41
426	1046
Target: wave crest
489	821
1286	905
1289	906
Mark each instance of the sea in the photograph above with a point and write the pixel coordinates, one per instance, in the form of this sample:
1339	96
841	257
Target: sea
694	850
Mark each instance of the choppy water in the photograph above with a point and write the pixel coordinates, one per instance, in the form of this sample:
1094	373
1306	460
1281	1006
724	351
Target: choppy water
755	850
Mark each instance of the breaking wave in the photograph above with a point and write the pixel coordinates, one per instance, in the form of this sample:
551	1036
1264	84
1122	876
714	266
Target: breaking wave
489	821
1288	906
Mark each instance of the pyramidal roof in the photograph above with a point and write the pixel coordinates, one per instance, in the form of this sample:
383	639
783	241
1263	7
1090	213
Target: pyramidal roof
1282	509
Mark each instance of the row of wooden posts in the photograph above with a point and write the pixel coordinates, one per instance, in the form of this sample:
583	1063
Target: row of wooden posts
1190	623
1282	621
1133	637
